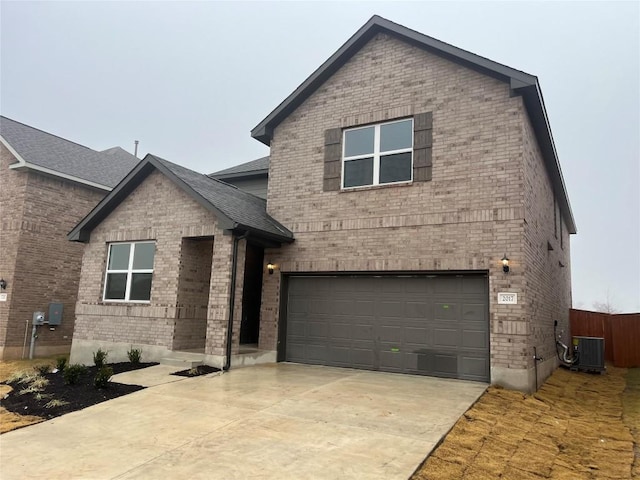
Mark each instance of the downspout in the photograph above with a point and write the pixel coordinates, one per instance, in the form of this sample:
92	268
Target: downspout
232	299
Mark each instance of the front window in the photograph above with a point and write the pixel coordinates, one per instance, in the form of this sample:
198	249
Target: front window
378	154
129	272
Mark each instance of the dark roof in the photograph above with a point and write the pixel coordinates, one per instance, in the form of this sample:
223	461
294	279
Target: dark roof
234	209
253	168
521	83
51	154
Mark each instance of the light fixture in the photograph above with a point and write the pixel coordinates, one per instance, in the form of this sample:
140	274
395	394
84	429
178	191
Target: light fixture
270	267
505	264
3	284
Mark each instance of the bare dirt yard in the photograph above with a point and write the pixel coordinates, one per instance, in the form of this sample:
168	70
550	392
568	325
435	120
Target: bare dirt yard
577	426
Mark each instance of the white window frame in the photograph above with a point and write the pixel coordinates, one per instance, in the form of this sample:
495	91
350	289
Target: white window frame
129	271
376	154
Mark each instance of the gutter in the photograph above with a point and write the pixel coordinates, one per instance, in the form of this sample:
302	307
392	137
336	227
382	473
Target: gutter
232	300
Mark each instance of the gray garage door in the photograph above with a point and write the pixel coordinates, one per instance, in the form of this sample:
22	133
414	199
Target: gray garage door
428	325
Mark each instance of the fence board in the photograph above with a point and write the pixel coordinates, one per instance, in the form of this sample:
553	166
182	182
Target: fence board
621	333
625	331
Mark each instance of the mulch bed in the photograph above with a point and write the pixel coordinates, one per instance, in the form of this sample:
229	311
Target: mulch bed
80	395
196	371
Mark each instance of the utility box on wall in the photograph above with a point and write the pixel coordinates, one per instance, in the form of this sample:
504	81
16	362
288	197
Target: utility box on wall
55	314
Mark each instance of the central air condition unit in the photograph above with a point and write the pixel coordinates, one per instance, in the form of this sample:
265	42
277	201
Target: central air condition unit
590	353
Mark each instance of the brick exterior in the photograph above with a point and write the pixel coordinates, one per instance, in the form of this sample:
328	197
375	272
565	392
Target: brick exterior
488	192
38	263
191	279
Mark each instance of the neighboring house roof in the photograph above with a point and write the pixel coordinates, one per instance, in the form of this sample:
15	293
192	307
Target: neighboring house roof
520	82
50	154
234	209
254	168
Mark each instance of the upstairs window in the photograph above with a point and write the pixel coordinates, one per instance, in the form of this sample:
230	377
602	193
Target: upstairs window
378	154
129	272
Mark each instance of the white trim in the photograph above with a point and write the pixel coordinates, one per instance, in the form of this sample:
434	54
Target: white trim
22	163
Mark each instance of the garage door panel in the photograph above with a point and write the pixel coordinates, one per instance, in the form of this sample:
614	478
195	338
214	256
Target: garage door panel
389	333
472	367
317	329
475	339
474	312
446	337
445	364
429	325
420	310
363	332
445	311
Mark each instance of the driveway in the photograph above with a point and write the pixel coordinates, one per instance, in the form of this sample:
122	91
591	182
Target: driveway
269	421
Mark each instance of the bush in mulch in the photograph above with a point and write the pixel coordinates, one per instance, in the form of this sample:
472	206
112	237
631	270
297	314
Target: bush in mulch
48	395
196	371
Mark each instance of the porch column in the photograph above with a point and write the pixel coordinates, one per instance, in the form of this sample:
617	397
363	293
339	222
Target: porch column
219	291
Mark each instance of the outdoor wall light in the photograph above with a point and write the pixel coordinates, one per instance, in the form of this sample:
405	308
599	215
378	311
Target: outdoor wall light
270	267
505	264
3	284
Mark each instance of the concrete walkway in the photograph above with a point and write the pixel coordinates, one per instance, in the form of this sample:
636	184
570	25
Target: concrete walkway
272	421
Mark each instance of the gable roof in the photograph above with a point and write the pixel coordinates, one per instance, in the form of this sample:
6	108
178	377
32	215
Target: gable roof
53	155
521	83
234	209
253	168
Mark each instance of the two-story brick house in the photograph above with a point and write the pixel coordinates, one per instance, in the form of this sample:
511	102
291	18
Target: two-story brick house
403	174
48	185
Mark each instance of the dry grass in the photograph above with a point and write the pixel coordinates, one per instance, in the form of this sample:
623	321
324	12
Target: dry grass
572	428
8	369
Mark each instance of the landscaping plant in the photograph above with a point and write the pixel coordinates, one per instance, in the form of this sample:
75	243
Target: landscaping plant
100	358
102	377
42	369
134	354
72	373
61	363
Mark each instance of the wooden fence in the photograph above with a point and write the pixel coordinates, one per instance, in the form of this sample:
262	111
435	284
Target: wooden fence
621	333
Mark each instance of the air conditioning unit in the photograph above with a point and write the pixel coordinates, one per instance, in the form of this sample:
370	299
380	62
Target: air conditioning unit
590	354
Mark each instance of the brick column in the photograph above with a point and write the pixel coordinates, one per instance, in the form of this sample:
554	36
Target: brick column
219	291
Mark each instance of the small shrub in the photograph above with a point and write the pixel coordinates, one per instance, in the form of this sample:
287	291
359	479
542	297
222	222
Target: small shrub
102	377
134	354
100	358
18	377
42	369
72	373
61	363
55	403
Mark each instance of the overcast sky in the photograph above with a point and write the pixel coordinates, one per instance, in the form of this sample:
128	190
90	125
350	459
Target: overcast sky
190	80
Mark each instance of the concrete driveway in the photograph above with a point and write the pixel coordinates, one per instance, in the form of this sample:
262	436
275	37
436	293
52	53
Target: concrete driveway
271	421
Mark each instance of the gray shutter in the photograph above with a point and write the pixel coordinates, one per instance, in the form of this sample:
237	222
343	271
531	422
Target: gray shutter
332	159
422	142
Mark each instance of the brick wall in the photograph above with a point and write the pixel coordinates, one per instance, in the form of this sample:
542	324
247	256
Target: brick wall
156	210
193	293
547	255
37	213
466	218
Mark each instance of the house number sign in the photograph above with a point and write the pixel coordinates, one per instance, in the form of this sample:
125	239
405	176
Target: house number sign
507	298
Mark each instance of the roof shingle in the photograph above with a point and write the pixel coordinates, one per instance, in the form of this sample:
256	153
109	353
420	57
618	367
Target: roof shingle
42	149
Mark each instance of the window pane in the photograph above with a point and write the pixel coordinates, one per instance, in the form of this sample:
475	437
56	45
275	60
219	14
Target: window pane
116	286
397	135
143	256
140	286
119	257
395	168
358	142
358	172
